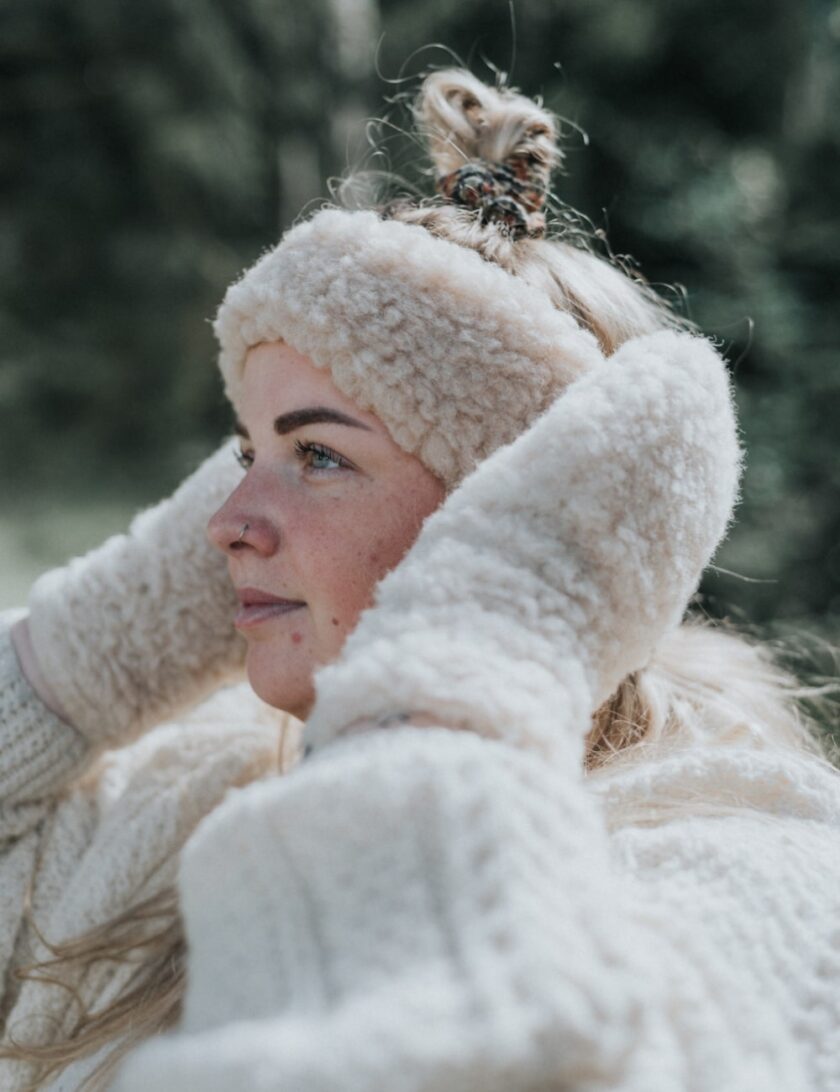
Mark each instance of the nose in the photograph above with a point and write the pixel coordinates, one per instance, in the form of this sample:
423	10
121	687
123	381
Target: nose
239	528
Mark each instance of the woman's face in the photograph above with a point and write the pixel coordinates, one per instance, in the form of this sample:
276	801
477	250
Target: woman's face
330	506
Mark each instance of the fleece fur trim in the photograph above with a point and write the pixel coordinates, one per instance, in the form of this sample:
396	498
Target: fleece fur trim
555	568
454	355
142	627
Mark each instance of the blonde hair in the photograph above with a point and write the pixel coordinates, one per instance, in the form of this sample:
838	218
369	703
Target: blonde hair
704	686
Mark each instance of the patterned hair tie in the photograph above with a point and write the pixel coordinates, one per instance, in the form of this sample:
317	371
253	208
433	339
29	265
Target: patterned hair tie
510	193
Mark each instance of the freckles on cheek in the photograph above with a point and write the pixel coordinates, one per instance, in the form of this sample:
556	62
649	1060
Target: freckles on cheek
385	553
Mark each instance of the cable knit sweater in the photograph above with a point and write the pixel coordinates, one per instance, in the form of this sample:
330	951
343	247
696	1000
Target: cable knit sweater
91	834
419	908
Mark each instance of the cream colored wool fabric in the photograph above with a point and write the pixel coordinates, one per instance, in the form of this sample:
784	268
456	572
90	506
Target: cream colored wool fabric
454	355
142	627
421	910
430	911
94	835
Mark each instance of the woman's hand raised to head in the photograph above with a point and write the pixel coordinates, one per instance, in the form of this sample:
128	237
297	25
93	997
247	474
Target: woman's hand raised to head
142	626
551	572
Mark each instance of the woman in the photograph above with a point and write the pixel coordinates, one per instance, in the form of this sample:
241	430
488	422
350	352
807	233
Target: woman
543	834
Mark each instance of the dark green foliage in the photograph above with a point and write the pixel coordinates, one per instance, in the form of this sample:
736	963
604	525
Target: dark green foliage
149	151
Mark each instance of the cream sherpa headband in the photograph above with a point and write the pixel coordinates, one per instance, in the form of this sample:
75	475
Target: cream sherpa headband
454	355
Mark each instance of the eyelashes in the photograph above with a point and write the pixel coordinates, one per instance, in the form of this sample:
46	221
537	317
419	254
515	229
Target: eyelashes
308	453
320	451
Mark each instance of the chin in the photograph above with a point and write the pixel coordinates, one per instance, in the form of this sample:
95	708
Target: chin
292	694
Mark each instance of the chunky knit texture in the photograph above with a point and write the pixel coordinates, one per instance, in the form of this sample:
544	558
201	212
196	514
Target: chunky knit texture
553	570
39	751
454	355
421	909
431	911
90	837
142	627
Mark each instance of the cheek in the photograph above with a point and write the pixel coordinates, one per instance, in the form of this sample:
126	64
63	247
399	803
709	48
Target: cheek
361	547
348	569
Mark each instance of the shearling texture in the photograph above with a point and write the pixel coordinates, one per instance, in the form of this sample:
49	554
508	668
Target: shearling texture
142	626
554	569
420	910
454	355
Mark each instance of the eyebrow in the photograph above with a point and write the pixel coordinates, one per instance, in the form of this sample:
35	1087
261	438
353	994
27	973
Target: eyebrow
312	415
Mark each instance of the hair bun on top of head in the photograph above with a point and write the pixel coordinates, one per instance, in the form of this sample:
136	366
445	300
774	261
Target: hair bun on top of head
494	150
456	334
452	352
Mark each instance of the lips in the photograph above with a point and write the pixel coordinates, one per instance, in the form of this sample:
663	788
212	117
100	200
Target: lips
258	607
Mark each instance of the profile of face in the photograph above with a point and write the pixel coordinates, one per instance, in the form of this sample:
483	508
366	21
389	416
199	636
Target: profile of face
331	504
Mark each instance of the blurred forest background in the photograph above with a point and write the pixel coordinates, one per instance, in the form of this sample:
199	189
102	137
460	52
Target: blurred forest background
150	151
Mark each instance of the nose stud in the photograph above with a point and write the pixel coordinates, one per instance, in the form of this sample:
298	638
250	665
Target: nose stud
245	527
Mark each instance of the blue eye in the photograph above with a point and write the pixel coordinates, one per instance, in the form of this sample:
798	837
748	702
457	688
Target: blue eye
244	458
319	456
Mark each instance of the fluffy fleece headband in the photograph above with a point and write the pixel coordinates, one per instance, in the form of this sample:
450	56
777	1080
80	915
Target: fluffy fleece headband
454	355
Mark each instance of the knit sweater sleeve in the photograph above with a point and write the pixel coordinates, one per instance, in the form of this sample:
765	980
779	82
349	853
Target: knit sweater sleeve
39	755
421	909
39	752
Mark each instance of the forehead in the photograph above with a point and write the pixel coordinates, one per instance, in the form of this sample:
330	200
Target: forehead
277	379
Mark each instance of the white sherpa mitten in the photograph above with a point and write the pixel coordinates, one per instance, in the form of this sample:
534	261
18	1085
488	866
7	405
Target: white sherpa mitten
551	572
142	626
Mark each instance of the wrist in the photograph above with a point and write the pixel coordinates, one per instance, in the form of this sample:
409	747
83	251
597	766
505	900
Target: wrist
458	679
